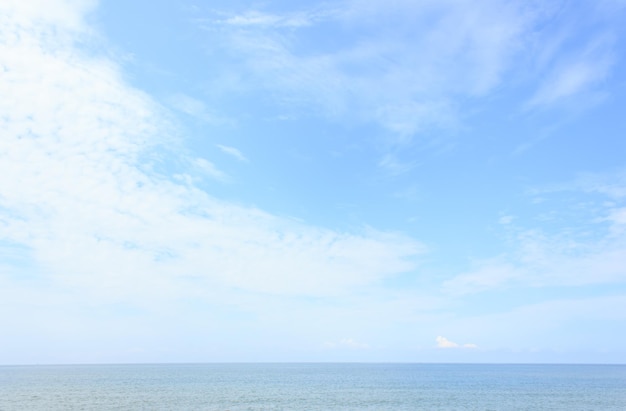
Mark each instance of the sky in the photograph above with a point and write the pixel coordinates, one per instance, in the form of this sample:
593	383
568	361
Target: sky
397	180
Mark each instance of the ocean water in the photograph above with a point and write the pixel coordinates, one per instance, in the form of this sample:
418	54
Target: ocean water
313	387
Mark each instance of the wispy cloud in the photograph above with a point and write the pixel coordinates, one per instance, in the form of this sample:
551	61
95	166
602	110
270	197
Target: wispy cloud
411	69
195	108
209	169
576	75
617	216
611	184
565	256
491	274
232	151
107	225
79	194
394	166
69	14
258	18
404	85
545	261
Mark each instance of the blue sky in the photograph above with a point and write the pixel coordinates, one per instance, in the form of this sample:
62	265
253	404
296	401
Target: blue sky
312	181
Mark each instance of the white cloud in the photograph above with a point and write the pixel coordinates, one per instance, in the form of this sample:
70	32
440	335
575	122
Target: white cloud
588	249
78	194
395	166
571	66
408	118
257	18
233	152
547	261
489	275
412	68
403	79
612	184
209	168
66	13
195	108
443	342
252	18
617	216
572	79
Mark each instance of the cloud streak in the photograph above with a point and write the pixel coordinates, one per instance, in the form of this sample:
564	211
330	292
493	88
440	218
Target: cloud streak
81	197
576	75
411	69
404	86
232	151
560	257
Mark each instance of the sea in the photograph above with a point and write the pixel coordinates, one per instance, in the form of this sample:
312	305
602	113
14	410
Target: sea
313	386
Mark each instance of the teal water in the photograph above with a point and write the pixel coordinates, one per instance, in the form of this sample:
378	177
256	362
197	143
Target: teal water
313	387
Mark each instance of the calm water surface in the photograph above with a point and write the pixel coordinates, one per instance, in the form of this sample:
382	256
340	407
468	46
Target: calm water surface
314	387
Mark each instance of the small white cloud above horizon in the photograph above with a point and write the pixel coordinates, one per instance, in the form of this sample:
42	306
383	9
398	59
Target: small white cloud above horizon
443	342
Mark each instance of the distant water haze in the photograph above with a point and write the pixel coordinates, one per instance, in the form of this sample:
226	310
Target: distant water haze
311	386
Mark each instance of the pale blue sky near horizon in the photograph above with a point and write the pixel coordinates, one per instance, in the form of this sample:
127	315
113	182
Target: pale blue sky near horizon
419	181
